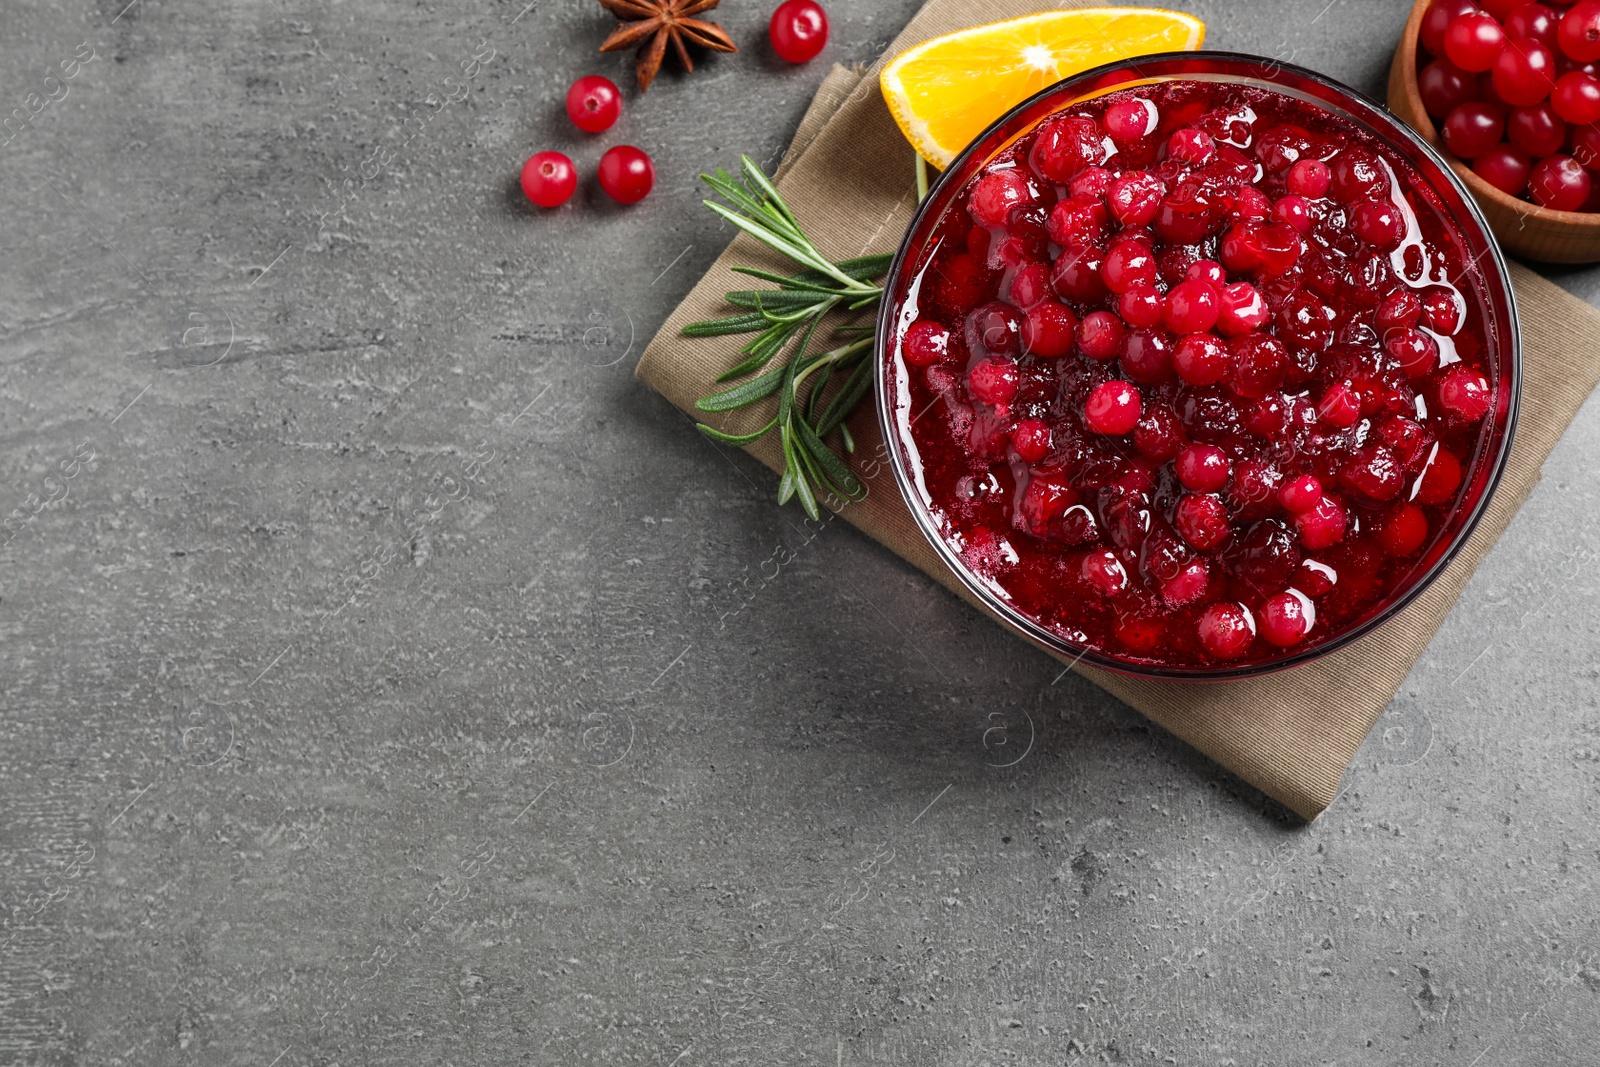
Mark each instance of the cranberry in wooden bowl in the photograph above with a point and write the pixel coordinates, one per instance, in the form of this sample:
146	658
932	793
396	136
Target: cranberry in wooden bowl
1198	366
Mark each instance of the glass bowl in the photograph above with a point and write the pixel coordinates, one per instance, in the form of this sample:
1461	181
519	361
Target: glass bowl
1433	187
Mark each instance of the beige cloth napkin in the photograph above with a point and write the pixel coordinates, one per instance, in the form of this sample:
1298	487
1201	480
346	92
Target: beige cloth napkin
1292	734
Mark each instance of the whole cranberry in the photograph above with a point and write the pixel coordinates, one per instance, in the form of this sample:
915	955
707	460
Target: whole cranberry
1202	520
799	30
1404	531
1378	222
1300	494
1029	284
1158	435
1287	617
1374	472
1065	145
1147	355
1533	20
1226	630
1444	86
1078	222
1112	408
1049	330
1100	335
1524	73
1200	359
1579	32
1127	263
1240	309
925	344
1257	366
1339	406
1253	492
1558	182
593	103
1090	183
1438	19
1398	310
1141	305
1203	468
1293	211
1358	174
1076	274
1505	168
1206	270
548	179
1309	178
1104	573
1192	146
1188	585
1415	352
1135	198
627	174
1473	128
1576	98
1536	130
1322	525
1465	392
995	194
1473	40
994	380
1441	309
1031	439
994	329
1191	307
1440	479
1129	121
1586	145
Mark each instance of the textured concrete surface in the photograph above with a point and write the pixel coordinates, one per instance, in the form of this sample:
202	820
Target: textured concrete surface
388	678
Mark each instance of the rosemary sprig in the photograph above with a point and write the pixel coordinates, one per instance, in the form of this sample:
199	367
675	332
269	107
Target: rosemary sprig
816	391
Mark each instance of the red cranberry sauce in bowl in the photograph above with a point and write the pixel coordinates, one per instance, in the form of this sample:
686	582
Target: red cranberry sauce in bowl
1200	376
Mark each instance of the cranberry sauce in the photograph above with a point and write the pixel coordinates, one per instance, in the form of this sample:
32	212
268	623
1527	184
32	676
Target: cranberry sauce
1183	377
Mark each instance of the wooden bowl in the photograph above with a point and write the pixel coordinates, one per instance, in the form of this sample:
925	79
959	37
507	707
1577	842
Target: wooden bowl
1524	229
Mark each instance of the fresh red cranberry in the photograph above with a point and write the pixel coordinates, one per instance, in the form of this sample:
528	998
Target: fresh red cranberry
1322	525
1586	145
1031	439
1358	174
1301	493
1208	271
1559	183
1535	130
1188	585
799	30
1505	168
1465	392
1339	406
1135	198
594	103
1029	284
627	174
1112	408
1438	19
962	282
1141	305
1576	98
1293	211
1192	146
1226	630
1473	128
1191	307
1202	520
1374	472
1403	532
1287	617
1415	351
1258	365
1076	274
995	194
1444	87
1129	121
1200	359
926	343
1440	479
1240	309
994	380
1533	20
994	329
1309	178
1379	223
1090	183
1473	40
1147	355
1399	309
1203	468
1158	435
1524	72
548	179
1065	145
1579	32
1441	309
1100	335
1049	330
1128	263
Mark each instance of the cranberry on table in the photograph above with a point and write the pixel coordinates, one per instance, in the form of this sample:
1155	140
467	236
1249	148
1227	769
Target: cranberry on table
627	174
1473	40
1558	182
799	30
1504	167
594	103
549	179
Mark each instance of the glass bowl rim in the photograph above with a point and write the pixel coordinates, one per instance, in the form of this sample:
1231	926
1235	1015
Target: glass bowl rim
940	191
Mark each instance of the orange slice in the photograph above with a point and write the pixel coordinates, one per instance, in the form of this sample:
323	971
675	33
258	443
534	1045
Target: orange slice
946	91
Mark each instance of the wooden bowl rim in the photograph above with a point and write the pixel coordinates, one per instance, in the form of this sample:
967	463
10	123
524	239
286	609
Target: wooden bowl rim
1584	220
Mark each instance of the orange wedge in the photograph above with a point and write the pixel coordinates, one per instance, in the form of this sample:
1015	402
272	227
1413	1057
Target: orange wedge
946	91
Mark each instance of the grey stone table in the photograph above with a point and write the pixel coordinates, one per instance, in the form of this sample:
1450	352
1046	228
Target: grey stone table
389	678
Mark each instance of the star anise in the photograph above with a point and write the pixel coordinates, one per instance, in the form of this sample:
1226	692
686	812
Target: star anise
659	23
